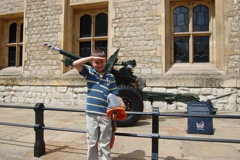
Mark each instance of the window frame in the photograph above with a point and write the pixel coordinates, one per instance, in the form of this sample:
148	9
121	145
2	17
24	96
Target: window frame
18	42
191	33
77	39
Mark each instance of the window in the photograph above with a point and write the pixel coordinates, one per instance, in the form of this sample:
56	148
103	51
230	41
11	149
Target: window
93	31
11	31
191	32
14	43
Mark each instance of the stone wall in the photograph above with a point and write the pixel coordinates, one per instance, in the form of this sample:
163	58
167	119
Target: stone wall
136	26
233	16
11	6
136	34
49	95
228	103
42	24
76	96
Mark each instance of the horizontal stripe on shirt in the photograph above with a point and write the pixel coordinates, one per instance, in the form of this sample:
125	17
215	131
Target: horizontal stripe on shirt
98	89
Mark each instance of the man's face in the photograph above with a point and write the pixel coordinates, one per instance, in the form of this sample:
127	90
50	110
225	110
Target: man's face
99	65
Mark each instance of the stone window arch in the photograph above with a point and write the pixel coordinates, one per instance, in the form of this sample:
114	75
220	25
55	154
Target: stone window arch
191	43
92	27
85	25
15	43
191	34
101	26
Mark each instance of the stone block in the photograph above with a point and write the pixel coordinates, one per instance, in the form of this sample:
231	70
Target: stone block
82	97
66	97
62	89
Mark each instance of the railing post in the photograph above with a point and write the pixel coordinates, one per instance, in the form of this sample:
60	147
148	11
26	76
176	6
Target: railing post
39	146
155	132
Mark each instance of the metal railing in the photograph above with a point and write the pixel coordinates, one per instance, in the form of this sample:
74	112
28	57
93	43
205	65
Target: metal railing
39	127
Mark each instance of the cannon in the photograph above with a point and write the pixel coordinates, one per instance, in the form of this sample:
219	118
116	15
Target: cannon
130	87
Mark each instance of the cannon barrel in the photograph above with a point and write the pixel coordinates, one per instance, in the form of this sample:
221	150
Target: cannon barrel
65	53
67	61
225	95
69	55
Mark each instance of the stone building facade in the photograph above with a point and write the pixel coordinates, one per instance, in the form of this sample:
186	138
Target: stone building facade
144	30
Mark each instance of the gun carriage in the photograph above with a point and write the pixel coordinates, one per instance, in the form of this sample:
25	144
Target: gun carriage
131	87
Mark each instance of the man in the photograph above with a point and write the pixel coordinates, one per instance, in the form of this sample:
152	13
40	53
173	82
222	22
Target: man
100	84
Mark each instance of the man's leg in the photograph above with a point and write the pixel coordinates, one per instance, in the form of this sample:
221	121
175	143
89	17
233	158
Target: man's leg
92	136
105	137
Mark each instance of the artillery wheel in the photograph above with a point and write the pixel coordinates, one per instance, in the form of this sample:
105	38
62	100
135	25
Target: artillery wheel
133	102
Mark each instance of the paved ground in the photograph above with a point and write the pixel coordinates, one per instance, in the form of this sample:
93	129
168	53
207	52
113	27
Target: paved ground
17	143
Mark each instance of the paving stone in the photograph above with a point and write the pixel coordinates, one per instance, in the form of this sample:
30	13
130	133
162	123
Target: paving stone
209	150
17	143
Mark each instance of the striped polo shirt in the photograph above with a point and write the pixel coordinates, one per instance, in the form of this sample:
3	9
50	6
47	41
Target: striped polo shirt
98	89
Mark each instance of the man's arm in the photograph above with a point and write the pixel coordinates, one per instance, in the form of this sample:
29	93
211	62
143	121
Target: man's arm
78	64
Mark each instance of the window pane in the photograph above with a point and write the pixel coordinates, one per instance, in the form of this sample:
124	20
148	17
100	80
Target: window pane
201	49
20	59
12	56
13	33
21	33
181	49
101	25
85	49
181	19
200	18
101	45
85	26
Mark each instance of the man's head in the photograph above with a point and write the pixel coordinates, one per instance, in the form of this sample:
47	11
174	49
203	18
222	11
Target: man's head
99	61
98	53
